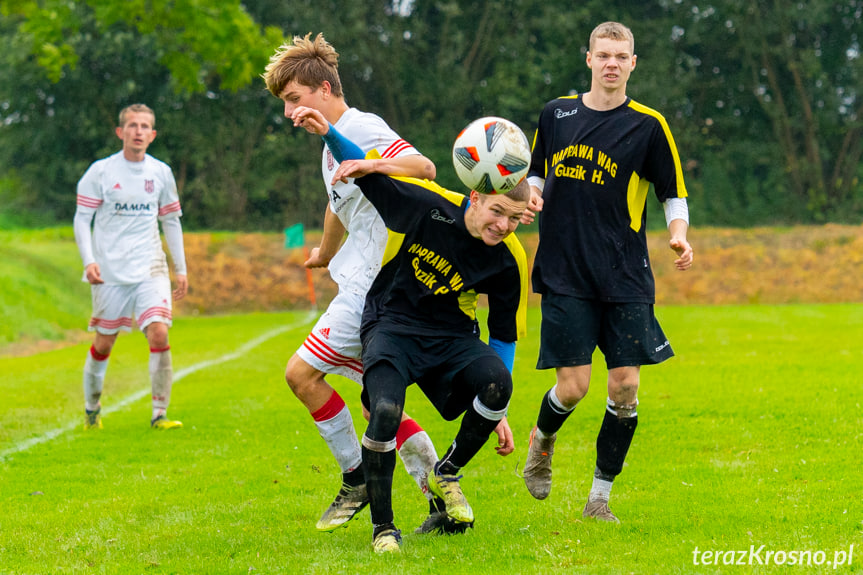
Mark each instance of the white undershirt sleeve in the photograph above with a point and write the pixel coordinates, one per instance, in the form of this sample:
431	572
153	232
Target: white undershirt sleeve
676	209
536	181
84	236
174	238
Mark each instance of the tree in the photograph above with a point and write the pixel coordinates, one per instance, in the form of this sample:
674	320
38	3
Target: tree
201	43
69	67
763	97
785	89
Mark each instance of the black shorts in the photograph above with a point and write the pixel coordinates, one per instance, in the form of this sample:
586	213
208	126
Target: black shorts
431	362
627	334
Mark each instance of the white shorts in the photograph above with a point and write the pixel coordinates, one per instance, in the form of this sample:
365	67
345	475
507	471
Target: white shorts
115	305
334	345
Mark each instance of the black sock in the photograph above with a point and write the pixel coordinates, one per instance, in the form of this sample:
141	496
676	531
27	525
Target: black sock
612	444
379	484
472	435
354	477
550	419
446	467
436	504
380	528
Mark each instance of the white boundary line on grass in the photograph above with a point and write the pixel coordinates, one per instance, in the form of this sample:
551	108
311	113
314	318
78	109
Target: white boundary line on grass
243	349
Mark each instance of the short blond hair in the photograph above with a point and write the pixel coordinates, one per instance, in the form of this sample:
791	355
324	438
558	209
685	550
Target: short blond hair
520	193
308	62
612	31
133	109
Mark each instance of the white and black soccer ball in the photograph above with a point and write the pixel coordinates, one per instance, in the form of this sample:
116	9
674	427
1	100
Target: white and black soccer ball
491	155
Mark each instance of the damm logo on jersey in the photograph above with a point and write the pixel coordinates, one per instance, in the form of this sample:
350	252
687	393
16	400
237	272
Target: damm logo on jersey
121	207
434	271
149	186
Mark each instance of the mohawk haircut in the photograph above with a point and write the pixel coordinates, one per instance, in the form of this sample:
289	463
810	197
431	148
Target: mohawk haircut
305	61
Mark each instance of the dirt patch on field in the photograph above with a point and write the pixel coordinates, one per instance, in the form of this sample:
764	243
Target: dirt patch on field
824	264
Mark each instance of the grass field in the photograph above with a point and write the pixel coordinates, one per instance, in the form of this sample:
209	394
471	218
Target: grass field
749	437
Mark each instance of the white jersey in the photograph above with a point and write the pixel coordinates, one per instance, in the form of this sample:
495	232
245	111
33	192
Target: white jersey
358	261
127	199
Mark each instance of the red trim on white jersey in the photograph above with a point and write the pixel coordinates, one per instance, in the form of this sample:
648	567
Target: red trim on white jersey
167	209
326	354
88	202
396	148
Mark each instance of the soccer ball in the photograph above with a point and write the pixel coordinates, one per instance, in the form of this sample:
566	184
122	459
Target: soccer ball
491	155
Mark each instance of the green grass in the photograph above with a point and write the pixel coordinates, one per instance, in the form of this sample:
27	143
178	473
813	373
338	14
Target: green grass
42	296
751	435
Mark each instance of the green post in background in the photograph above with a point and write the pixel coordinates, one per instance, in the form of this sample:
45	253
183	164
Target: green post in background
294	236
294	239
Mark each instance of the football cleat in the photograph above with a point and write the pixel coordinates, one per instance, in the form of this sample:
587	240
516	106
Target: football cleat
439	523
162	422
598	509
93	419
349	502
388	541
447	488
537	467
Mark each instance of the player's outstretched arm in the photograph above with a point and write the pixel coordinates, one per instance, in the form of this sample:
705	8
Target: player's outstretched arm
352	162
413	166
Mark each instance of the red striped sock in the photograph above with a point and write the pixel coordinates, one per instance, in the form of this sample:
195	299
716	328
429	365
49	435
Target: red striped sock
406	430
98	356
330	409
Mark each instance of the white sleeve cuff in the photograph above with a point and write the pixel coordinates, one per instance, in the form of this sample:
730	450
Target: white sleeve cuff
536	181
676	209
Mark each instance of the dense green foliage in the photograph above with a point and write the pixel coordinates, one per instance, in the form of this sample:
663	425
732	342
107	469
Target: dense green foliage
765	99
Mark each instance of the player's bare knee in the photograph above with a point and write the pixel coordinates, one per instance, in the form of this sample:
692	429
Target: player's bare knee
625	392
306	382
157	335
572	385
104	343
568	395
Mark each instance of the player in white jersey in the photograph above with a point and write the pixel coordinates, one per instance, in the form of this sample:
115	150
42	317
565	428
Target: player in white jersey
304	74
124	197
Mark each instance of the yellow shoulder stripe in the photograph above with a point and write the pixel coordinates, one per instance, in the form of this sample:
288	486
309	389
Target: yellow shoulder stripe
517	251
678	169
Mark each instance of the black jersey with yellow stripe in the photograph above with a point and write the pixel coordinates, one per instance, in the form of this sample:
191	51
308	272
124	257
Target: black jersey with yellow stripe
433	269
598	167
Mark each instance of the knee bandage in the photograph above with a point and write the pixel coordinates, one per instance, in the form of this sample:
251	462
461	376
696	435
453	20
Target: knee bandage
622	410
490	414
379	446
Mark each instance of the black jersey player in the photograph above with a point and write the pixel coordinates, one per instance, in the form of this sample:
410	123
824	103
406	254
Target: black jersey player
594	157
